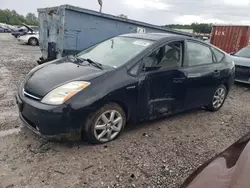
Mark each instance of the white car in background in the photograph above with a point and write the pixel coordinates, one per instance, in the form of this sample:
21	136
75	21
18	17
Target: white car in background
29	38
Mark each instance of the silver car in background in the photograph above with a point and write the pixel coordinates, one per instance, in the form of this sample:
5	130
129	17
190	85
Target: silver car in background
242	65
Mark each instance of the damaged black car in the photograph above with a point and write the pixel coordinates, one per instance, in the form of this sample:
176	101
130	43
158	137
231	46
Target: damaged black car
128	78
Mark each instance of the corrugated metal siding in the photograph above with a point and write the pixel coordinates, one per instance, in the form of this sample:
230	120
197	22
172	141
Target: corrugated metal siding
230	38
248	36
83	30
51	30
108	16
80	28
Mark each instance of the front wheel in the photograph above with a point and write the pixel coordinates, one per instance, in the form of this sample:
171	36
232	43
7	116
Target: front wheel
33	42
218	99
105	124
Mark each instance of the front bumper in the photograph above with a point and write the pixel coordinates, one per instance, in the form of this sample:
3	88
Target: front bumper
242	74
48	121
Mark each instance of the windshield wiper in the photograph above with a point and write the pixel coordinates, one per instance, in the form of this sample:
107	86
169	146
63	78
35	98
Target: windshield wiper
98	65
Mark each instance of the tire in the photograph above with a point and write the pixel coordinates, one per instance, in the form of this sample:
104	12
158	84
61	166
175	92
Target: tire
219	97
33	41
109	128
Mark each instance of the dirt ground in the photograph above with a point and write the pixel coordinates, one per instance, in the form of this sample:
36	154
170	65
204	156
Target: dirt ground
153	154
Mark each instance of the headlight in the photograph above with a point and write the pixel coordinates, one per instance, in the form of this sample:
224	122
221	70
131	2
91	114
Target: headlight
64	92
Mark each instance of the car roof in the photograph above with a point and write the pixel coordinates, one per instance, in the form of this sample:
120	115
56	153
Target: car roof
154	36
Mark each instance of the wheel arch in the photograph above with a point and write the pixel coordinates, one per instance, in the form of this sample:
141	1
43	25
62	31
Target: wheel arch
227	84
124	107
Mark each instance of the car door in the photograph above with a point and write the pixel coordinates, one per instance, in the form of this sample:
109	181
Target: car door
203	74
161	86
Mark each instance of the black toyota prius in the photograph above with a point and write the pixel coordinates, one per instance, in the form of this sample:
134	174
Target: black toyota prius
128	78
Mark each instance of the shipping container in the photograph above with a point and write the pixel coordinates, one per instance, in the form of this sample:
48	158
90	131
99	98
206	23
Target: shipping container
66	29
230	38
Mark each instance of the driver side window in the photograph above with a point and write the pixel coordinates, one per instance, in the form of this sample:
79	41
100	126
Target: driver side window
167	56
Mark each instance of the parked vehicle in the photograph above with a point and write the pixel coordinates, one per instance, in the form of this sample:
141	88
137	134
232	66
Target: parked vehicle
230	38
8	30
242	65
19	32
229	169
24	30
131	77
29	38
66	30
4	29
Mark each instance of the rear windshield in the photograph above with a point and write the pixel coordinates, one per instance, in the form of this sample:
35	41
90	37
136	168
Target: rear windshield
116	51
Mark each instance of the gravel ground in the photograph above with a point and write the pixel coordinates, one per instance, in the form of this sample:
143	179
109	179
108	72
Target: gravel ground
153	154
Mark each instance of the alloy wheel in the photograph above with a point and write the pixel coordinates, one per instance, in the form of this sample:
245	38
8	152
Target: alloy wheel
108	125
219	97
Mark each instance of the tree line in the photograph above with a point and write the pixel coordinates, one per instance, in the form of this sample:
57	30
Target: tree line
11	17
197	27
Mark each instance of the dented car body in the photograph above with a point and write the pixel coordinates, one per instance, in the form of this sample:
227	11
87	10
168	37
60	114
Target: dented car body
134	77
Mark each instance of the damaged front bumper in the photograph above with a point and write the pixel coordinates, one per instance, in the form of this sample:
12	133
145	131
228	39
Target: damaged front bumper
49	124
70	136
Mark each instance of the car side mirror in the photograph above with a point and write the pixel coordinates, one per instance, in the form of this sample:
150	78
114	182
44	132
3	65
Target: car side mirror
149	64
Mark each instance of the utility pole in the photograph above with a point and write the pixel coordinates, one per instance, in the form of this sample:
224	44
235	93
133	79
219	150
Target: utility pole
100	3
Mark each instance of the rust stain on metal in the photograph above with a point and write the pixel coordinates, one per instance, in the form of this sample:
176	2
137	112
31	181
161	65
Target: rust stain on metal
230	38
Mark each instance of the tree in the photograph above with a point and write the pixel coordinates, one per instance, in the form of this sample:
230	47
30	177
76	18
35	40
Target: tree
202	27
197	27
11	17
31	17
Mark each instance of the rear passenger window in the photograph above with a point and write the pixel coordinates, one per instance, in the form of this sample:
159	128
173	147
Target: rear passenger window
219	55
198	54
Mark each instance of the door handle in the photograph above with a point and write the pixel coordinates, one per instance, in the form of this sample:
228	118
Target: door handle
131	87
179	80
217	72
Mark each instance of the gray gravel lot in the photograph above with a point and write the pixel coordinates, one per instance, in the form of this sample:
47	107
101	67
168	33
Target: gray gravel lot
153	154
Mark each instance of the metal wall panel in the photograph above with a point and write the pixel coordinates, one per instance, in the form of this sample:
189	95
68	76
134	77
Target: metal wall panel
230	38
74	29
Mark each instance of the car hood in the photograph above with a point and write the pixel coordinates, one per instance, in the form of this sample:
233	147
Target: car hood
28	27
47	77
242	61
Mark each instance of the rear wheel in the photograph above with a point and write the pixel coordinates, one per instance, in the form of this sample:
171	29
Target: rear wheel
105	124
33	42
218	99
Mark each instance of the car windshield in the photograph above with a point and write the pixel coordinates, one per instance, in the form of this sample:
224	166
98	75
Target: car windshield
116	51
244	52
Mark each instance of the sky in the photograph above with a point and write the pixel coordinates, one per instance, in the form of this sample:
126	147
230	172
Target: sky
158	12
